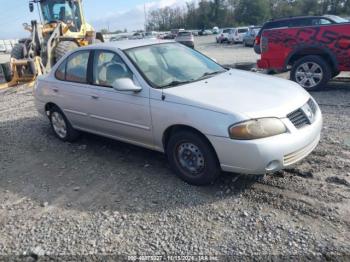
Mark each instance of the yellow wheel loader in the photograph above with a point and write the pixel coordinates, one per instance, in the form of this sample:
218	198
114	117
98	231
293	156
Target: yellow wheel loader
62	29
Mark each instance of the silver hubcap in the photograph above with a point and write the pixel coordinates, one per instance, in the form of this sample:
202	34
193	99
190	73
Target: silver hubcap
309	75
190	158
59	125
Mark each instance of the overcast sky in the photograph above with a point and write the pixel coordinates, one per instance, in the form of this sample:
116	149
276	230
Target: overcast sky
117	14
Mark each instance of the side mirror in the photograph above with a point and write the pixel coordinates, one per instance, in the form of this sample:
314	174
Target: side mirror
125	84
31	7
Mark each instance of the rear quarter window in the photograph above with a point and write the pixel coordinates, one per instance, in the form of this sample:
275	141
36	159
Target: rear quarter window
61	71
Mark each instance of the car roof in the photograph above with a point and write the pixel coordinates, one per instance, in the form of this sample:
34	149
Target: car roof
294	18
128	44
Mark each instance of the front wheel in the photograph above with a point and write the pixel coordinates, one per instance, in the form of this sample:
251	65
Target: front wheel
61	127
311	72
192	158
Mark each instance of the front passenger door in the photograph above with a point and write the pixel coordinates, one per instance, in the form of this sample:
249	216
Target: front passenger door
122	115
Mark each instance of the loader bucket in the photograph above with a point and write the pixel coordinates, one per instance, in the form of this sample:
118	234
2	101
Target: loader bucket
20	72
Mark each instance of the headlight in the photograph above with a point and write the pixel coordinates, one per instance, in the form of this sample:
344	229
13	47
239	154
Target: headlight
258	128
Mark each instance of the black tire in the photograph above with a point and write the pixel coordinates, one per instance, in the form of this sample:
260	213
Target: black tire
18	51
207	157
63	48
326	71
7	71
71	134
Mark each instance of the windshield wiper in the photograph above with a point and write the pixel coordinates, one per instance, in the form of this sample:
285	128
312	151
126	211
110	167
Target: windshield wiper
176	83
208	74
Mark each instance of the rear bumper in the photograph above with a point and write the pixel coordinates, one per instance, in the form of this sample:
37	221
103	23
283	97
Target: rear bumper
271	64
263	63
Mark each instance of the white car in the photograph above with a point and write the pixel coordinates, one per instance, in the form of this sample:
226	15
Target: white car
167	97
223	35
237	35
2	48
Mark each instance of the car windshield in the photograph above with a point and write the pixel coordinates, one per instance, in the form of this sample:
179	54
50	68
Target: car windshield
171	64
62	10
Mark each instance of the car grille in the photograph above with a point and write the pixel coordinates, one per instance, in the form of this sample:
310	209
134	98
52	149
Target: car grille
295	157
299	118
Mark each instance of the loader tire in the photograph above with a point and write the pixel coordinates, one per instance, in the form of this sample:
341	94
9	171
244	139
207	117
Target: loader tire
18	51
7	71
63	48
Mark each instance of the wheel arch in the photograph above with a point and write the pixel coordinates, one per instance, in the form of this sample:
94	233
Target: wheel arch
180	127
49	106
303	51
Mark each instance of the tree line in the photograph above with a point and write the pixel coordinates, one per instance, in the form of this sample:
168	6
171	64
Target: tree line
209	13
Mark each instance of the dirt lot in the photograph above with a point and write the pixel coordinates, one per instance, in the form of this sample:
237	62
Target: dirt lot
99	196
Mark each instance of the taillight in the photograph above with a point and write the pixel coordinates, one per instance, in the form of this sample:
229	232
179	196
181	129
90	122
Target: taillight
264	44
257	40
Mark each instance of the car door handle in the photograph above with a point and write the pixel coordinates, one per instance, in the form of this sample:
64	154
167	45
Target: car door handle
95	97
55	90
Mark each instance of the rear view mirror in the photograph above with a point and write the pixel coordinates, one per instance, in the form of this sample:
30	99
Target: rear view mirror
31	7
125	84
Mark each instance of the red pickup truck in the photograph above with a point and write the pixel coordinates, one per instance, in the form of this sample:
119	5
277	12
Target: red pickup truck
314	54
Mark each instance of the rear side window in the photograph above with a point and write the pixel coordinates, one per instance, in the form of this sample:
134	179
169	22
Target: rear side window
227	31
77	67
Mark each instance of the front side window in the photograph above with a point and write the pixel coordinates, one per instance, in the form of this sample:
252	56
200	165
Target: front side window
77	67
108	67
166	65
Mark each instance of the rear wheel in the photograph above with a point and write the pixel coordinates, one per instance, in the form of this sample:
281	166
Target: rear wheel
63	48
18	51
61	127
192	158
311	72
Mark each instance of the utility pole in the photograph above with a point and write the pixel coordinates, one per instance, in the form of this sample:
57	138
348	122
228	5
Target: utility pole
145	12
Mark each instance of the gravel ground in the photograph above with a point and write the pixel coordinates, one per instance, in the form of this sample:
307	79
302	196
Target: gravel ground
102	197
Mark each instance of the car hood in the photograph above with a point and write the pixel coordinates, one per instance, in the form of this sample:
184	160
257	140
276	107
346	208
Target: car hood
237	92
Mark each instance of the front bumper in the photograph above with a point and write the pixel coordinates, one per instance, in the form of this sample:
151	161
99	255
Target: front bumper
270	154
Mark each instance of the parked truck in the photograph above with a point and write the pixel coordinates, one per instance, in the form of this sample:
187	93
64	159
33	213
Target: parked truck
313	54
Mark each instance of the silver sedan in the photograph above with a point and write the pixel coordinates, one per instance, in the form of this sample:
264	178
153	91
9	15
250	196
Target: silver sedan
167	97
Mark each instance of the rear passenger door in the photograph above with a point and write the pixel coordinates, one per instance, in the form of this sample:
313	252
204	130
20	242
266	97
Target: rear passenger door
71	88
